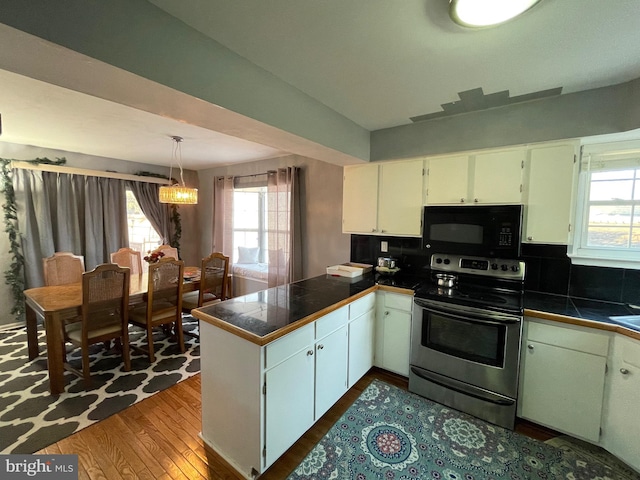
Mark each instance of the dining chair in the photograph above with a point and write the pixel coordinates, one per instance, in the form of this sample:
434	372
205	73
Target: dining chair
105	309
168	251
62	268
128	257
213	282
163	305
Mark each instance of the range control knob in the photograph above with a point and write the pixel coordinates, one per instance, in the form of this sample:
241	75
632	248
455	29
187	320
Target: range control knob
438	260
494	266
447	261
504	267
515	268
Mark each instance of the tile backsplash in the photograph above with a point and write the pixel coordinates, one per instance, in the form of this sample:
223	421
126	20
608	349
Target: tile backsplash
548	269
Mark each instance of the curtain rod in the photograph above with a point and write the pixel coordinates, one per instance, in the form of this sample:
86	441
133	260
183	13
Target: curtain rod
83	171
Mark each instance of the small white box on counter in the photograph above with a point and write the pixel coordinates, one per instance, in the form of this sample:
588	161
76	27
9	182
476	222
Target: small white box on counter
349	269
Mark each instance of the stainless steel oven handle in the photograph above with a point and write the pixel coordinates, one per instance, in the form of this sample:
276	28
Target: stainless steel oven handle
477	314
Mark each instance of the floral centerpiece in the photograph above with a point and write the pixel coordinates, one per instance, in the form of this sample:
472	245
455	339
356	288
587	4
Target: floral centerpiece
153	256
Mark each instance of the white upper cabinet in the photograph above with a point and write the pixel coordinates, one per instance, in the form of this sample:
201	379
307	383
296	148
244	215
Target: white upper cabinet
551	174
448	179
360	199
384	199
482	178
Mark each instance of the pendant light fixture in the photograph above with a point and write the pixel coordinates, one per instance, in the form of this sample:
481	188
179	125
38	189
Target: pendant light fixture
485	13
177	193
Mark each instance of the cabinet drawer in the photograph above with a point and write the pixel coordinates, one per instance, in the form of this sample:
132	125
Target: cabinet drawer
594	342
398	301
361	306
288	345
331	321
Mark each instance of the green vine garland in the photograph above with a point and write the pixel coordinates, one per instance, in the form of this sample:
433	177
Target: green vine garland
14	275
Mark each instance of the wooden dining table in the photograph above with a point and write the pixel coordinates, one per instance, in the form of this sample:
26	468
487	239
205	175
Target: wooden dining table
64	302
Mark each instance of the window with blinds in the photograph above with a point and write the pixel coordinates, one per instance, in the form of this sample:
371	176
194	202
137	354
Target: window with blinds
608	206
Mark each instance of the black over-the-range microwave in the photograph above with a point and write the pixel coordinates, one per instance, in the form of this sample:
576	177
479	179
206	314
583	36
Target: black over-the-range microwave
492	231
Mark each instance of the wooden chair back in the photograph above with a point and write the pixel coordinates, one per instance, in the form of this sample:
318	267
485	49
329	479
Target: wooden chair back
105	307
213	277
62	268
164	301
128	257
169	251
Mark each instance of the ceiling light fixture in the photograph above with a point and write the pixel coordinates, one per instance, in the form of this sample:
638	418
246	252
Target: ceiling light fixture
180	194
484	13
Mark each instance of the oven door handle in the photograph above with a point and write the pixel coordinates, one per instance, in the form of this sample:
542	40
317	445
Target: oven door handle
469	314
462	388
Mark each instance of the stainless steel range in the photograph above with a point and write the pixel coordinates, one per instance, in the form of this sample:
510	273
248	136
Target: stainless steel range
465	339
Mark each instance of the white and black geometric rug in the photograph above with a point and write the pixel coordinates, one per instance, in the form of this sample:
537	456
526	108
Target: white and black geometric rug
31	418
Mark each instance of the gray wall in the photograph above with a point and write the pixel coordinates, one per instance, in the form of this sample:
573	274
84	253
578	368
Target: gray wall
598	111
138	37
189	244
323	242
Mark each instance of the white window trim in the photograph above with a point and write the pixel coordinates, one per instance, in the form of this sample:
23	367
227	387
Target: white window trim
593	256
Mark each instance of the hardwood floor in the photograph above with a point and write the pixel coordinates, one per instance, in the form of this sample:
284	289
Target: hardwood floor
157	438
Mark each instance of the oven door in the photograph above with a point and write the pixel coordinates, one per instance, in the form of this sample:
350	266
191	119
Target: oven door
470	345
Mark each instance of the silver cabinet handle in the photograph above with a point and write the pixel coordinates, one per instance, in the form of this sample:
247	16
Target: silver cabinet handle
475	200
309	353
530	347
387	313
529	238
320	347
462	200
624	371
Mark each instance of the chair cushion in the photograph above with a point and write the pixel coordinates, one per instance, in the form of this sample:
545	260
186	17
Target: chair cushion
139	315
74	331
190	300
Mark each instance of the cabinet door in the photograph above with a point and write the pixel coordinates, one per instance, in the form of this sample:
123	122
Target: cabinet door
400	200
288	402
549	194
497	176
361	346
622	424
396	342
448	179
360	199
563	389
331	370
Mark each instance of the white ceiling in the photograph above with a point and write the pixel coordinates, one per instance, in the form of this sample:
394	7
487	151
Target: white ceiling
377	62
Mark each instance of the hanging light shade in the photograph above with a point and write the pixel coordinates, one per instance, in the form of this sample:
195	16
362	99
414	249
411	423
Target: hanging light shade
179	194
484	13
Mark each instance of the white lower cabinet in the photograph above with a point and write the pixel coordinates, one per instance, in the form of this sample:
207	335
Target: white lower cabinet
562	377
362	318
393	331
621	425
311	377
289	394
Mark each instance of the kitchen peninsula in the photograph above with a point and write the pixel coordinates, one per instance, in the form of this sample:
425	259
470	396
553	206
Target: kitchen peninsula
275	361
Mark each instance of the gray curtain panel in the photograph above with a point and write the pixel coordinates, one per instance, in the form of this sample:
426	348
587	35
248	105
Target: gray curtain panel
59	212
158	214
223	215
283	225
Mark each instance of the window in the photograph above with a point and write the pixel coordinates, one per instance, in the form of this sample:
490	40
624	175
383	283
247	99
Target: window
142	236
608	206
250	221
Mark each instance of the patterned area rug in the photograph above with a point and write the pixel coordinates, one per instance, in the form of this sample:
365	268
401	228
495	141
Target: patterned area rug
591	453
389	433
31	418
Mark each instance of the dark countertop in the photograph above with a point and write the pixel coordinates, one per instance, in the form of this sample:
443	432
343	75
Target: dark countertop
258	316
550	306
263	316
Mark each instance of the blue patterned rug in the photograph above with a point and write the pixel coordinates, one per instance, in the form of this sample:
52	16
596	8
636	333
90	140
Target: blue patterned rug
389	433
31	418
